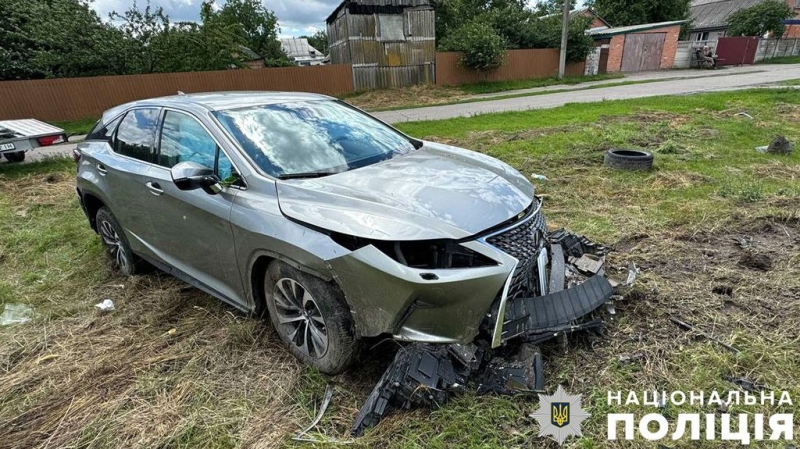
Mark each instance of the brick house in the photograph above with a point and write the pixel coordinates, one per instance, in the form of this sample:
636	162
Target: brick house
638	48
709	18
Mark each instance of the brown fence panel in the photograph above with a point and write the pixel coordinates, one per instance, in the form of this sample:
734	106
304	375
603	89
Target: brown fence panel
519	65
737	50
78	98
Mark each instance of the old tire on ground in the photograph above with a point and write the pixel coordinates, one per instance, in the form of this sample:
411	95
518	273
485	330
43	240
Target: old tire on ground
622	159
311	317
116	244
15	156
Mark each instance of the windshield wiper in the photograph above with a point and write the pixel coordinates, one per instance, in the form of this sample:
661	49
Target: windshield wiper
311	174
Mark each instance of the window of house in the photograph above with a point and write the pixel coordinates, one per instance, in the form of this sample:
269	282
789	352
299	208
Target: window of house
390	27
136	136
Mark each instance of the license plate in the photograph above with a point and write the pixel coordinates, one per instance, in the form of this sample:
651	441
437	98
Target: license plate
7	146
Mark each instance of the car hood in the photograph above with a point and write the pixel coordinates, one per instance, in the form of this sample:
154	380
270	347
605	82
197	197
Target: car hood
436	192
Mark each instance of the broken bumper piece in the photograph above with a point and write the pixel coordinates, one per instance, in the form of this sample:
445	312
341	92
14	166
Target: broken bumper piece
568	269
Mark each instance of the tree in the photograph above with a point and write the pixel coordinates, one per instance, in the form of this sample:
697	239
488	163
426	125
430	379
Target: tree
637	12
319	41
549	7
257	25
57	38
760	19
483	48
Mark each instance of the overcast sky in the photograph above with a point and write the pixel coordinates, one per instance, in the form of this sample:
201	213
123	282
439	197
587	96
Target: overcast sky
297	17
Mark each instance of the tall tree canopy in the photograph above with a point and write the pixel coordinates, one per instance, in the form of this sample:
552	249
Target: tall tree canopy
760	19
257	25
66	38
637	12
57	38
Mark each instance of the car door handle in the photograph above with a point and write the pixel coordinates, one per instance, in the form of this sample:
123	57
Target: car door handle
102	169
154	188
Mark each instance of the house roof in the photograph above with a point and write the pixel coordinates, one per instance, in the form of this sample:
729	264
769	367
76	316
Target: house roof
713	14
392	4
250	54
632	29
579	12
297	47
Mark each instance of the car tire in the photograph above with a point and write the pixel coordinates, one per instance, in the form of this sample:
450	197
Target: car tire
116	244
15	156
622	159
311	317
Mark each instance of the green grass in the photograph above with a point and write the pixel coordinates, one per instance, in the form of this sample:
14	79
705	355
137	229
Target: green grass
172	367
77	127
782	60
503	86
792	83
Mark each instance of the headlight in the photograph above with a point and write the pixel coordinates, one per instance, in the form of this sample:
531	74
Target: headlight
425	254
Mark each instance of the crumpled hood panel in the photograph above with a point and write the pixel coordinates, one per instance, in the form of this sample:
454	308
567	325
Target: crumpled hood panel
435	192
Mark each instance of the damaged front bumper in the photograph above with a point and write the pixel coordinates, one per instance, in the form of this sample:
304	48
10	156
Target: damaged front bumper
553	290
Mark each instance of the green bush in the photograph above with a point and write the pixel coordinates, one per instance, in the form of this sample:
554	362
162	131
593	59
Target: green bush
483	48
758	20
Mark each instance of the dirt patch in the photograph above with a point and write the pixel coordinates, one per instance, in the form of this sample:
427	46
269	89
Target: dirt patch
406	97
761	262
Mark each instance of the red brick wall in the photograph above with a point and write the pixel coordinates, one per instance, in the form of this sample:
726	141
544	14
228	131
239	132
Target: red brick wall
792	31
617	48
793	4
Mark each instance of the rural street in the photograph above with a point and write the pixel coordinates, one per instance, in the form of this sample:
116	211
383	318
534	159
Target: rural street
678	82
724	79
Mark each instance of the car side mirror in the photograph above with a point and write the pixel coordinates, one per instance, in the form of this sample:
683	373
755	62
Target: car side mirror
193	176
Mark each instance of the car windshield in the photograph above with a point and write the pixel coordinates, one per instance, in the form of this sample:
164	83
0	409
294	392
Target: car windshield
311	138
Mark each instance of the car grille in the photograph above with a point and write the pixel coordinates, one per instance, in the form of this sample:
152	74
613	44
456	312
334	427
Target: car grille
523	242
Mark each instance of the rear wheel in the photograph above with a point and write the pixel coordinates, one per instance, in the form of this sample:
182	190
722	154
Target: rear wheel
16	156
115	243
311	317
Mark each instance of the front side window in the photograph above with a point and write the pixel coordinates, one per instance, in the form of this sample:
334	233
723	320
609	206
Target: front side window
136	136
183	139
311	138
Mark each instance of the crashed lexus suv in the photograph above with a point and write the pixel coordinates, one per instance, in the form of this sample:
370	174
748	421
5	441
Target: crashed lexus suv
339	227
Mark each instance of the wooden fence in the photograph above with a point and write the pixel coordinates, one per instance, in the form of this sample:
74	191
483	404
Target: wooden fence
519	65
78	98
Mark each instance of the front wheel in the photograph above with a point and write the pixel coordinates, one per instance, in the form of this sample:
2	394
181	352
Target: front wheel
115	243
16	156
311	317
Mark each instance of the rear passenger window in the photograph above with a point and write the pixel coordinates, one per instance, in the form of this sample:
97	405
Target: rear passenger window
103	131
136	136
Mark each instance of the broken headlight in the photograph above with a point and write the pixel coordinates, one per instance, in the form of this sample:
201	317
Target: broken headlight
425	254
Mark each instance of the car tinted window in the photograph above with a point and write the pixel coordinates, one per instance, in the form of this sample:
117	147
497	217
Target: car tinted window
136	135
322	137
184	139
103	131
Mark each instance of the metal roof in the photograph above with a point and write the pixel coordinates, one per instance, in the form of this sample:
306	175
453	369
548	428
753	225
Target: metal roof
633	28
396	3
711	14
297	47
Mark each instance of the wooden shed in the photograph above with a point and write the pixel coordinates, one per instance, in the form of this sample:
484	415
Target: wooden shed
389	43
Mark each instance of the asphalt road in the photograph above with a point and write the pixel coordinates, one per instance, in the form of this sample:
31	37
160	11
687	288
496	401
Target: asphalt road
681	82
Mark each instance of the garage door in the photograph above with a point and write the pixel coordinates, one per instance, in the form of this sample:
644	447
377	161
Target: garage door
643	52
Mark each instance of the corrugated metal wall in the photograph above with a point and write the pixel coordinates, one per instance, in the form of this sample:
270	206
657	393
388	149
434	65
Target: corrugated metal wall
519	65
78	98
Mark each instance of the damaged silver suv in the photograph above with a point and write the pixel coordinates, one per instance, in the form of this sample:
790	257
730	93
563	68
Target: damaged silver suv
336	225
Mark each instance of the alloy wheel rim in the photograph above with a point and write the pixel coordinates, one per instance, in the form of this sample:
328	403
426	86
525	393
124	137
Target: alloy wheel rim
297	310
114	244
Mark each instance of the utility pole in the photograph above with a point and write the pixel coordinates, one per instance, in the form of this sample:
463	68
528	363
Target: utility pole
562	63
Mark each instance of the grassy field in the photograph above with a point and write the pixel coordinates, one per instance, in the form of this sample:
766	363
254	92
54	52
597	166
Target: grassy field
173	368
782	60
